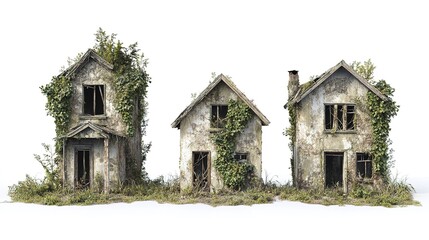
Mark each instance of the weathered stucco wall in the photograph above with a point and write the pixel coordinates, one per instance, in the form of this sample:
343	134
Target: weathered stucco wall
195	136
312	139
93	73
97	159
95	146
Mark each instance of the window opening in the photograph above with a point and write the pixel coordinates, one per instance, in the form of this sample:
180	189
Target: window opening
219	115
340	117
93	99
329	116
363	165
350	118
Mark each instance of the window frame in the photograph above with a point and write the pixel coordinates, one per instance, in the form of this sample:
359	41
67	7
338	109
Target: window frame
339	123
94	106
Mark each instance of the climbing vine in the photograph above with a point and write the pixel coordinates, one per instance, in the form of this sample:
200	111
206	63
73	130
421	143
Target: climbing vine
291	133
59	92
234	174
382	111
131	79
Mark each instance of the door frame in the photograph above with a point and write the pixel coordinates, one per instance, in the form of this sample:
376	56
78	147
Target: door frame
208	168
91	163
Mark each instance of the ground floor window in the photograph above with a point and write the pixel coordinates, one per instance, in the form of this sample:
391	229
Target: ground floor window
363	165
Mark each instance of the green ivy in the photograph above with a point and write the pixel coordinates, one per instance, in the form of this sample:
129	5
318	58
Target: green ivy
235	174
382	111
131	80
59	93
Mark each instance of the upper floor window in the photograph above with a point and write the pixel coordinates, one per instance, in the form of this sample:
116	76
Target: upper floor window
363	165
93	99
340	117
219	116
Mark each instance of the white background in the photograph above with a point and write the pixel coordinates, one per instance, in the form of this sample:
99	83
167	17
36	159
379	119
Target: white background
254	42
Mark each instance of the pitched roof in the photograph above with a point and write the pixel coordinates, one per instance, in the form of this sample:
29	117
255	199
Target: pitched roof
304	90
103	131
210	87
90	54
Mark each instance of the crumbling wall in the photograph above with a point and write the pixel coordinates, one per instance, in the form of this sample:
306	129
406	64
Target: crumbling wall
312	140
195	132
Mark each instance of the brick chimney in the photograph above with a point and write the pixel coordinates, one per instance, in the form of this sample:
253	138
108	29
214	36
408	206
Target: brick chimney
293	84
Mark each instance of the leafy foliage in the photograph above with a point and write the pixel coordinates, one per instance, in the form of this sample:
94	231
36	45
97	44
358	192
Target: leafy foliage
365	69
382	112
234	174
130	84
49	164
59	92
131	79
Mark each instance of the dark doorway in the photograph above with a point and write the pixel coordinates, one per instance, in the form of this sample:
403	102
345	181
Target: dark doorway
334	169
201	170
83	168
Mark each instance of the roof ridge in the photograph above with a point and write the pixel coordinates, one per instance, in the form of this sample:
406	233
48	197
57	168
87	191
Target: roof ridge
209	88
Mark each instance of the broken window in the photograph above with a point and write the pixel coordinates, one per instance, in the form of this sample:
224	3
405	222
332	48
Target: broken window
219	116
340	117
240	157
200	165
93	99
329	116
83	168
363	165
334	169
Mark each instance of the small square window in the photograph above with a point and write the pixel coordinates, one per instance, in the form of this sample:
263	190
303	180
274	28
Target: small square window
240	157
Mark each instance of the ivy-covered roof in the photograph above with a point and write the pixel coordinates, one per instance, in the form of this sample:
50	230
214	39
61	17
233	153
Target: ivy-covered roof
308	87
210	87
90	54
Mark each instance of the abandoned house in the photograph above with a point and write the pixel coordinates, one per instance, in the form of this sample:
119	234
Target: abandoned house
333	132
205	116
95	146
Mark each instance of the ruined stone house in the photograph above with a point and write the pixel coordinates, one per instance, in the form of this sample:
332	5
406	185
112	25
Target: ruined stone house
333	133
96	145
203	117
